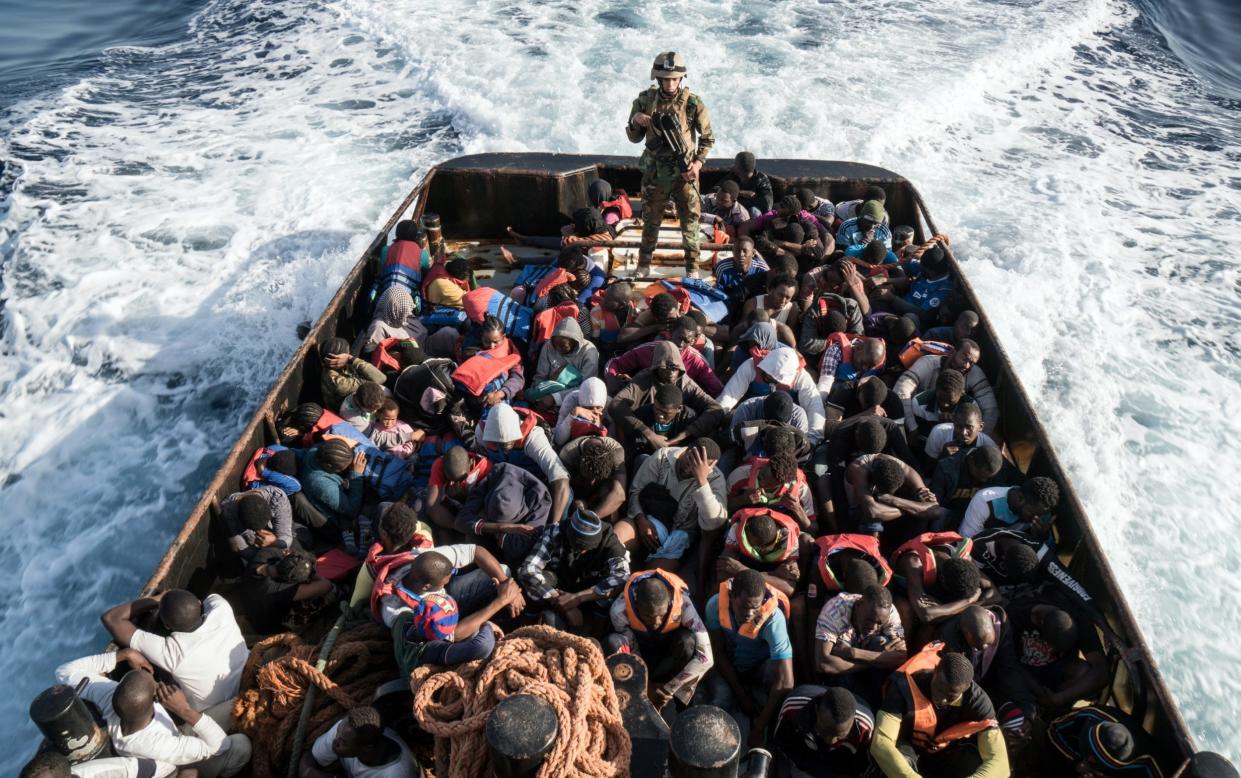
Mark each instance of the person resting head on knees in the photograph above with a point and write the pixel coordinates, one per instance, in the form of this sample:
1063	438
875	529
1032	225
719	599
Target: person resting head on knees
343	373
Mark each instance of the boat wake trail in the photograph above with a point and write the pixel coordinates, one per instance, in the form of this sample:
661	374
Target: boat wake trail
168	219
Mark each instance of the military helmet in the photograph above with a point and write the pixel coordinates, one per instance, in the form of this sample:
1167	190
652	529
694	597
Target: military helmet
668	64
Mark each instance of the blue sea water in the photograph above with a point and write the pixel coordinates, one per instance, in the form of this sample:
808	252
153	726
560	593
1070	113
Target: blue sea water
183	182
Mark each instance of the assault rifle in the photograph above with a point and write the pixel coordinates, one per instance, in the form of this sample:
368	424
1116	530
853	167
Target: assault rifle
668	127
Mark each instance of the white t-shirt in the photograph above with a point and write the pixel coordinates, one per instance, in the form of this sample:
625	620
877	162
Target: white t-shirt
979	510
941	435
207	662
459	554
403	766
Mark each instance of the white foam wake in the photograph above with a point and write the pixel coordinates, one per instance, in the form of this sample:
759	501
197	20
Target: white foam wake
181	211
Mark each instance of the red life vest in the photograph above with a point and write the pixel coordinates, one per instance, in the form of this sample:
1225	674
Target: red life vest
383	568
325	422
438	270
620	203
680	594
657	288
549	282
751	482
784	521
382	357
845	341
252	467
478	470
924	547
580	428
918	348
545	322
605	325
478	371
925	721
866	545
773	599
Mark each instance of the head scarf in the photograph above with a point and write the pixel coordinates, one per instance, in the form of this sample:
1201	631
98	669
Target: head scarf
395	306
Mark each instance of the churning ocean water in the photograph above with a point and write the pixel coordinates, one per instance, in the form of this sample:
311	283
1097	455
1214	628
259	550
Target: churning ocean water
184	181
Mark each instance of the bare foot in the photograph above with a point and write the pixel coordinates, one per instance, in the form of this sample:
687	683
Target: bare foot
512	233
507	256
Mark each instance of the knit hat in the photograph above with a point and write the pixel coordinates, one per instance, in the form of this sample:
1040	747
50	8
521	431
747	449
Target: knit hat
586	522
872	210
778	406
781	364
1109	742
593	393
503	425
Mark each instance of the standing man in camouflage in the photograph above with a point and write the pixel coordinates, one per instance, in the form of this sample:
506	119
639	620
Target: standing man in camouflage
664	174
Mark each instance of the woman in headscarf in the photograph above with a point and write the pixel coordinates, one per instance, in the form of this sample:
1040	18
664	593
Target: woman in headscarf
394	318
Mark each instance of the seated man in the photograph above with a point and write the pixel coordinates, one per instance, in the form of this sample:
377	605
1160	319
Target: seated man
137	712
958	477
936	406
427	625
449	288
829	565
453	475
564	361
752	416
985	637
660	314
859	639
870	224
778	305
822	732
887	496
401	539
831	289
733	272
848	359
655	619
774	480
358	746
343	373
723	209
1023	562
766	539
747	622
939	581
257	519
963	433
962	328
576	568
683	334
514	437
695	487
872	257
923	374
203	650
611	310
936	721
754	187
1060	653
666	368
332	480
275	581
507	511
780	369
924	293
597	475
1101	741
668	417
1020	507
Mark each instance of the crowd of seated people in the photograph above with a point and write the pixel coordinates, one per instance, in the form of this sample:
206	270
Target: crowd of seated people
798	507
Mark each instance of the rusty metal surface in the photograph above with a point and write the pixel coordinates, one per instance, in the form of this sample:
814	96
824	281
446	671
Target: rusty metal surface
831	178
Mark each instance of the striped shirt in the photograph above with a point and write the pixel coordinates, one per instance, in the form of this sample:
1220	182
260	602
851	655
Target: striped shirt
795	730
729	276
852	234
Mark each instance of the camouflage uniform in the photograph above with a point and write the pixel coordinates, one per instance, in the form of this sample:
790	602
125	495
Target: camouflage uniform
661	170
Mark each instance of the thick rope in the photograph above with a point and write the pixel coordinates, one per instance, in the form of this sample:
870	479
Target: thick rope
566	671
281	671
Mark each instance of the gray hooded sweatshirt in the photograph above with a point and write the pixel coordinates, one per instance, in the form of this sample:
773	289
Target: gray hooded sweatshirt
584	358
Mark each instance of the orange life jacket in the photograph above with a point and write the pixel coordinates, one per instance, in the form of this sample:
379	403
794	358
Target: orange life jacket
923	546
382	357
791	534
680	594
680	293
478	371
580	428
549	282
545	322
866	545
918	348
478	469
925	721
751	483
774	599
325	422
620	203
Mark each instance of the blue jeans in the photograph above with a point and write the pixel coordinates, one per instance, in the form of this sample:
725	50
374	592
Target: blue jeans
471	590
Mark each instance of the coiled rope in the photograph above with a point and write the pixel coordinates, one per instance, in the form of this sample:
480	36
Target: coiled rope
566	671
279	676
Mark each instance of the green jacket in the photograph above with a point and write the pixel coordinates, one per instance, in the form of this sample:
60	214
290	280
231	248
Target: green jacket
689	108
336	385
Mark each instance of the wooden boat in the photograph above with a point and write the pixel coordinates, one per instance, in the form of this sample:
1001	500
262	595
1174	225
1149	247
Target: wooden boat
479	196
